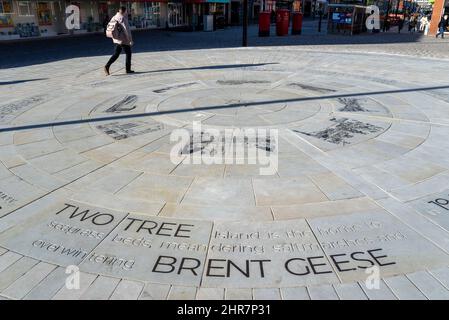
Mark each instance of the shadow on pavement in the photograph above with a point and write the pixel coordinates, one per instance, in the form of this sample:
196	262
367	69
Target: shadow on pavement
4	83
214	67
217	107
29	52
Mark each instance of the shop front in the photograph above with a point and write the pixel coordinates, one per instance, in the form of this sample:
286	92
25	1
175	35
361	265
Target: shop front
31	18
346	19
142	14
312	8
24	19
219	12
236	12
176	14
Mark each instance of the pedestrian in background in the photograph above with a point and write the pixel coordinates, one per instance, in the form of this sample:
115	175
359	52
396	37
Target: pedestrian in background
442	27
412	24
119	31
423	23
400	24
427	27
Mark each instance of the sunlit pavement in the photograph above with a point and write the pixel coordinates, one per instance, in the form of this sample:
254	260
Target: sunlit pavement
361	174
23	53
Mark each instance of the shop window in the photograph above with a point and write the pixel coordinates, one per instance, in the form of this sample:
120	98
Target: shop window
151	14
6	7
24	8
176	14
44	14
5	14
103	13
129	9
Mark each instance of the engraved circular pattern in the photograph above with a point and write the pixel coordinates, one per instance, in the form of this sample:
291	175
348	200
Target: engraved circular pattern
362	174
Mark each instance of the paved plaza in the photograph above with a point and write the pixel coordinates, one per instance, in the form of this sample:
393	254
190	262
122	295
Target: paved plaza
361	178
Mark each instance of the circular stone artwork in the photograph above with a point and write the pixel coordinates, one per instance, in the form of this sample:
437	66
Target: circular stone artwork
358	185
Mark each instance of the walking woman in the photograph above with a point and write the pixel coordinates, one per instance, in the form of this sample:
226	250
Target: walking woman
121	36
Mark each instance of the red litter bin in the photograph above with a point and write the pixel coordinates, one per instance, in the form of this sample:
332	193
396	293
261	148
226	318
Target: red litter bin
282	22
264	24
297	23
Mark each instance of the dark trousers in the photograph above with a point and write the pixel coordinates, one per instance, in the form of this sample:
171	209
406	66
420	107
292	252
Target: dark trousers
118	50
440	31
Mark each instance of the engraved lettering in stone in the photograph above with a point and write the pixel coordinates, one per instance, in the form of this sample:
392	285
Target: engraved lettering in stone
182	246
96	218
318	265
344	262
238	248
120	131
332	230
246	235
112	261
226	268
296	247
7	198
129	241
179	230
68	229
169	264
62	250
19	106
441	202
344	243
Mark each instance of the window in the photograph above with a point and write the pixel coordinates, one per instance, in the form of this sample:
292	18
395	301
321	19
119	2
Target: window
24	8
44	14
5	6
151	14
5	14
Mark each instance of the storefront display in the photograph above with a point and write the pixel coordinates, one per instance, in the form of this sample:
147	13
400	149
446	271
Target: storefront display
5	14
346	19
151	15
44	13
24	8
176	14
6	7
34	18
5	21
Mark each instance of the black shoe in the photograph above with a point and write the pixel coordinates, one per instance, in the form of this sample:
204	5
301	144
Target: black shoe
130	71
106	70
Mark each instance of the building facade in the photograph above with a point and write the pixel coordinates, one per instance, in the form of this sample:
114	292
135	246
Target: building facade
40	18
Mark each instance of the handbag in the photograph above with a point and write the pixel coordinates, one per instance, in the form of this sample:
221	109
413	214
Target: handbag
113	29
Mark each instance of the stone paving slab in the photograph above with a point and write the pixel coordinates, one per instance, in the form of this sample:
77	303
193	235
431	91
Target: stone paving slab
349	291
359	186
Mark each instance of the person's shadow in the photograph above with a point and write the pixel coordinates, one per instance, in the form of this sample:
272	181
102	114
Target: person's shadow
216	67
